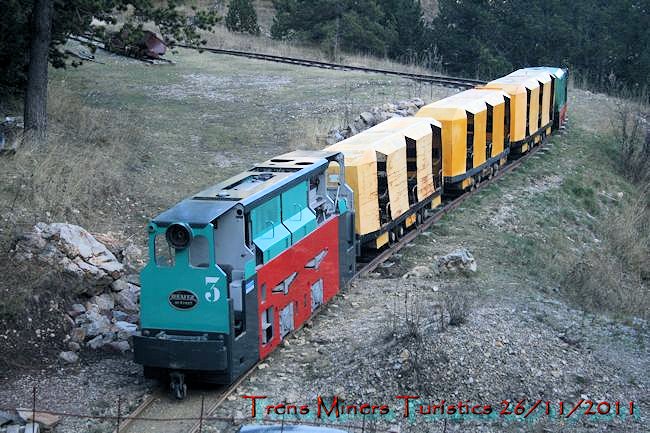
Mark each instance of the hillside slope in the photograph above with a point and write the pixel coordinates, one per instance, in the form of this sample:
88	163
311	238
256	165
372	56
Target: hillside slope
132	139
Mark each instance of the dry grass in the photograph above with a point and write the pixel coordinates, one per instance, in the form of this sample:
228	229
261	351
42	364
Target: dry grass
82	169
632	134
614	277
220	37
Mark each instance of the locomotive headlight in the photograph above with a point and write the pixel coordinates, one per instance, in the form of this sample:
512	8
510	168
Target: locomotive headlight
179	235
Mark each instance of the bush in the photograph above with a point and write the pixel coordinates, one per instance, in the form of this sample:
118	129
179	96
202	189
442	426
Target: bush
242	17
632	135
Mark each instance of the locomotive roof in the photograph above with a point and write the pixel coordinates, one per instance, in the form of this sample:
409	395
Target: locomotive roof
247	188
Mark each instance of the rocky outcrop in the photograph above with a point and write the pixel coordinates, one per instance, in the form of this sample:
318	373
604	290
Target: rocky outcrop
105	312
376	115
86	265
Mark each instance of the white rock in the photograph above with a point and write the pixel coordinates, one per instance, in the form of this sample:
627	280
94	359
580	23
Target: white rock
125	330
96	342
86	264
368	118
104	302
128	299
69	357
94	323
460	259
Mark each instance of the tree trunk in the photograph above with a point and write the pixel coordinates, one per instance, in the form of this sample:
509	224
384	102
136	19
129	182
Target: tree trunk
36	92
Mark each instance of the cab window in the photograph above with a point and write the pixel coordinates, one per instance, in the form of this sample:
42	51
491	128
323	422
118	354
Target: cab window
199	252
164	253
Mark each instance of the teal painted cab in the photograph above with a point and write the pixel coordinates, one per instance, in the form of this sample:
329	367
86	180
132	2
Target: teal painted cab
269	234
183	289
296	215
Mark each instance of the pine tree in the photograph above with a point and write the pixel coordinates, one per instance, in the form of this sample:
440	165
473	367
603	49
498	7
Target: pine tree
242	17
34	32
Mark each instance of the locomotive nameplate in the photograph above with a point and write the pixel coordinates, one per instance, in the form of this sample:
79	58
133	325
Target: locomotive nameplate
183	299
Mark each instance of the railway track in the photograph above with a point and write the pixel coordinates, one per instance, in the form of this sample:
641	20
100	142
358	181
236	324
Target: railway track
144	416
464	83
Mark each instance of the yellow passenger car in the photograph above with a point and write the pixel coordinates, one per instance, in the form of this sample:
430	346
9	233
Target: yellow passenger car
394	170
473	139
545	101
524	95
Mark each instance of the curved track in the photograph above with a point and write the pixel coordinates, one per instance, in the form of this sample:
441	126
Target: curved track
146	419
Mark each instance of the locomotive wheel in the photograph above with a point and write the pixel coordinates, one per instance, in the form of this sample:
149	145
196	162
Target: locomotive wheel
392	236
179	390
177	385
400	231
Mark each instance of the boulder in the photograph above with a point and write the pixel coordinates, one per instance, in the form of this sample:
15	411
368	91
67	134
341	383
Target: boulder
128	299
133	279
368	118
119	315
78	335
69	357
74	346
76	309
125	330
458	260
87	265
97	342
104	302
94	323
418	102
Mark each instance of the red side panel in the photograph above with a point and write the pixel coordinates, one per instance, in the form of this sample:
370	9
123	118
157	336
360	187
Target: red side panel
272	274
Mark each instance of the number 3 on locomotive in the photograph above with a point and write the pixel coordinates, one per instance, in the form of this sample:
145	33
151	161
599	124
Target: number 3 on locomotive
212	294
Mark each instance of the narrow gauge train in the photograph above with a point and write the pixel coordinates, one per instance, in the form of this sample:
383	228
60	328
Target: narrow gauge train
235	268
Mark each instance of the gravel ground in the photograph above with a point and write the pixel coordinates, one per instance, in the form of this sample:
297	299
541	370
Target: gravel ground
91	388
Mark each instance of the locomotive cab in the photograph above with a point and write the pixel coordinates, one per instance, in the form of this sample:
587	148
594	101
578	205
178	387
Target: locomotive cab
196	302
210	303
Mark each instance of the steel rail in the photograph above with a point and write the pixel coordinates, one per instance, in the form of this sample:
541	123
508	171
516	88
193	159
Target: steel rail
438	214
437	79
367	268
465	83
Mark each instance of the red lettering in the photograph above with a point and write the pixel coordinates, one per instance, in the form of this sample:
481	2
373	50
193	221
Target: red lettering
406	399
334	407
253	399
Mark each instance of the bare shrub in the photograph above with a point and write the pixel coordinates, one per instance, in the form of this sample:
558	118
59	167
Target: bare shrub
632	135
459	307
